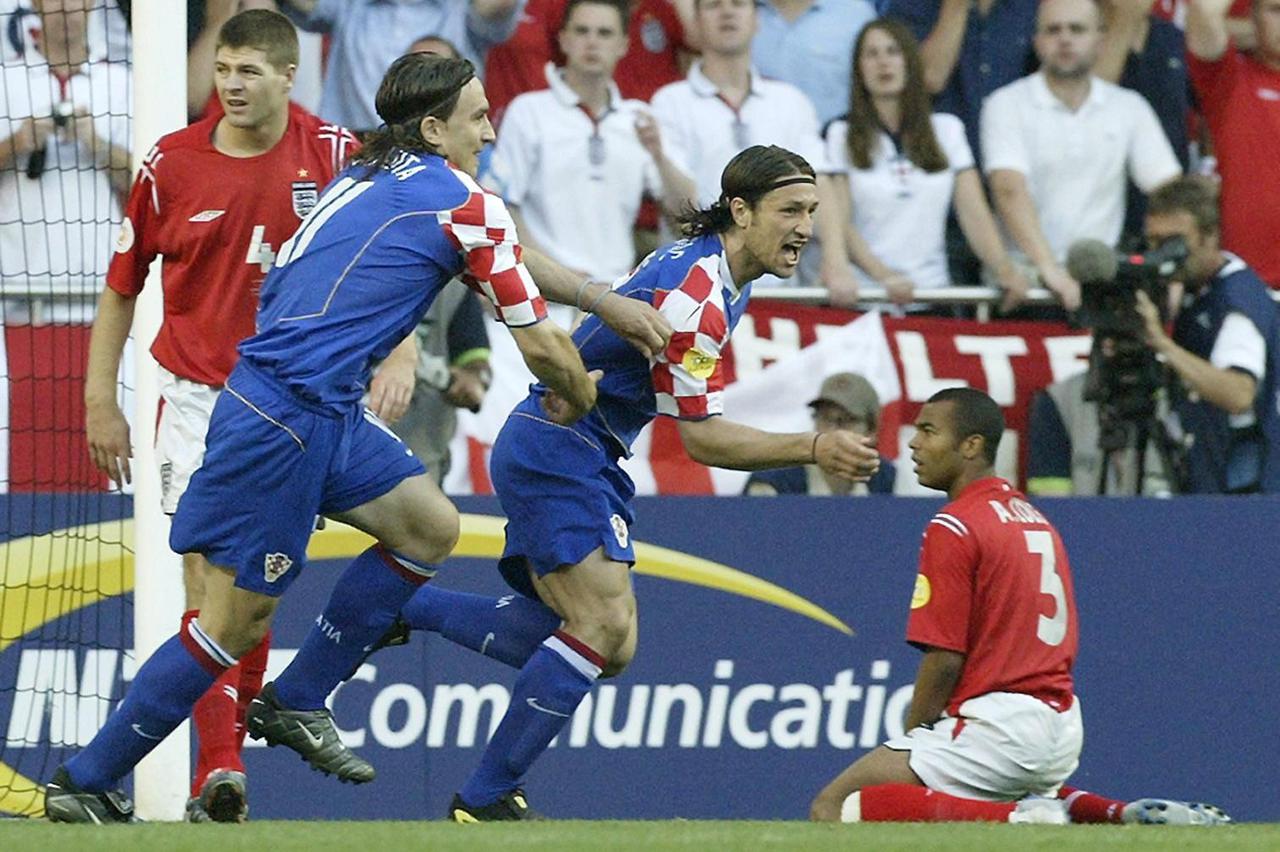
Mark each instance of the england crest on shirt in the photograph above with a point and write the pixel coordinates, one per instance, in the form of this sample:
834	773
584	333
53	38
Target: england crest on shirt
305	196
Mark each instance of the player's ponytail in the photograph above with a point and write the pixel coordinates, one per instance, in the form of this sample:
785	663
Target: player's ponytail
416	85
751	175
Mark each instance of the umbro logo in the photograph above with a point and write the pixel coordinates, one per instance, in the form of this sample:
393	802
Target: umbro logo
206	215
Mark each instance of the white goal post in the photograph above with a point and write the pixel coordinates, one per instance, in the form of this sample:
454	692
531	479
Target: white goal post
161	781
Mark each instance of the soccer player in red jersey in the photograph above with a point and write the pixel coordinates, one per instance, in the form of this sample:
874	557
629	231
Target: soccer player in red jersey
994	726
214	200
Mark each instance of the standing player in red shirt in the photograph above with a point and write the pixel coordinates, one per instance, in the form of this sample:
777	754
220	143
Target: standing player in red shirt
214	200
994	718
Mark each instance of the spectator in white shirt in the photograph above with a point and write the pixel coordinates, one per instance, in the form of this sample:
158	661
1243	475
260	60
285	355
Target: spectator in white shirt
64	158
905	167
725	106
1057	146
574	161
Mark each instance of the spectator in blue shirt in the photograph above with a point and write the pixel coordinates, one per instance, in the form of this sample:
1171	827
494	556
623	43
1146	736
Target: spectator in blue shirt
807	43
368	35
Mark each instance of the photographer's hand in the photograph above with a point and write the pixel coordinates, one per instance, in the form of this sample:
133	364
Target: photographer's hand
1153	329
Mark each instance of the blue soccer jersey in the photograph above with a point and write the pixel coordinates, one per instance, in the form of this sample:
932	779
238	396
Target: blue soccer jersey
562	488
689	283
367	262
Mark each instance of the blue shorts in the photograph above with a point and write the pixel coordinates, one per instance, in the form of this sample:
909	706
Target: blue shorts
272	463
563	495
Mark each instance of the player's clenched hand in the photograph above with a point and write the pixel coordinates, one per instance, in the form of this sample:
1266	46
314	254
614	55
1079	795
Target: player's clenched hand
848	455
560	410
107	433
391	390
636	322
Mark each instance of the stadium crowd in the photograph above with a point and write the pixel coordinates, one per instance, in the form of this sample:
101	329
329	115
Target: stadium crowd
957	143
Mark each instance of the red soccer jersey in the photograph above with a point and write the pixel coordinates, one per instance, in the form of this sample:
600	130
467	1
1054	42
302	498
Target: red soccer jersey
217	220
994	585
1241	101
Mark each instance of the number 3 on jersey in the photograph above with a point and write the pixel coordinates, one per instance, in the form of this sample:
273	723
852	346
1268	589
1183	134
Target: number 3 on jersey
1050	630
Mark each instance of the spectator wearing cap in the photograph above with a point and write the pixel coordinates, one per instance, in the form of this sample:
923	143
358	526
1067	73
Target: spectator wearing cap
846	401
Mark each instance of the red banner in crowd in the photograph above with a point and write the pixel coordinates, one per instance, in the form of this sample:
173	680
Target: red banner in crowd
907	359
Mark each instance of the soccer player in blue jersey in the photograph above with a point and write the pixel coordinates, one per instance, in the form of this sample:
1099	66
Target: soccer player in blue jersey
290	439
568	501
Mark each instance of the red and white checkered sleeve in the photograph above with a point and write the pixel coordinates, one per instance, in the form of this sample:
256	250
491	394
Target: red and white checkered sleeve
688	377
483	230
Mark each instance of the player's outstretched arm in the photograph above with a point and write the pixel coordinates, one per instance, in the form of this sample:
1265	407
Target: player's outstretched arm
635	321
719	442
106	430
549	352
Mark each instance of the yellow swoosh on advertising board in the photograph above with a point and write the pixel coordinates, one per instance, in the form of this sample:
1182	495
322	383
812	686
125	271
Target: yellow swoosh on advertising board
45	577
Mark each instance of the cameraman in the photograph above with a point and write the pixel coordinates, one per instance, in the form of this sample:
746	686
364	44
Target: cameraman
1224	347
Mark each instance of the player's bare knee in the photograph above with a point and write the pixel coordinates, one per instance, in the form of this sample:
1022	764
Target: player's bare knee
824	809
429	537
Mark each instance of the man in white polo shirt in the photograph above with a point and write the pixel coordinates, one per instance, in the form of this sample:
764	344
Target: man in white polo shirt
574	161
64	160
725	106
1057	146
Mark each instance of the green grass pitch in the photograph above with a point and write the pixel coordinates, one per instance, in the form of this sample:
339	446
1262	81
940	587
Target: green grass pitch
569	835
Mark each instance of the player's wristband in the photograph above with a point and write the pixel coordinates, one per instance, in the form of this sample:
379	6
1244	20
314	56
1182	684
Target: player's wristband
813	451
577	297
591	309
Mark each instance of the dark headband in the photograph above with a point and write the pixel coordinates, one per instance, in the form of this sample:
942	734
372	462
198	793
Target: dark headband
796	179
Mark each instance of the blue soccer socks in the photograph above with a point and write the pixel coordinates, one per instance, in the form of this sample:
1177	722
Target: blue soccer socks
363	605
550	687
508	629
160	697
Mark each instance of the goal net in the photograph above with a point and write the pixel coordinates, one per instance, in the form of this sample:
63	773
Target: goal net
66	566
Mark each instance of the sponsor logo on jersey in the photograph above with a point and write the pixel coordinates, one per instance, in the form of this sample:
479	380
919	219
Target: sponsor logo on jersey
923	592
124	239
698	364
619	529
206	215
305	196
275	565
